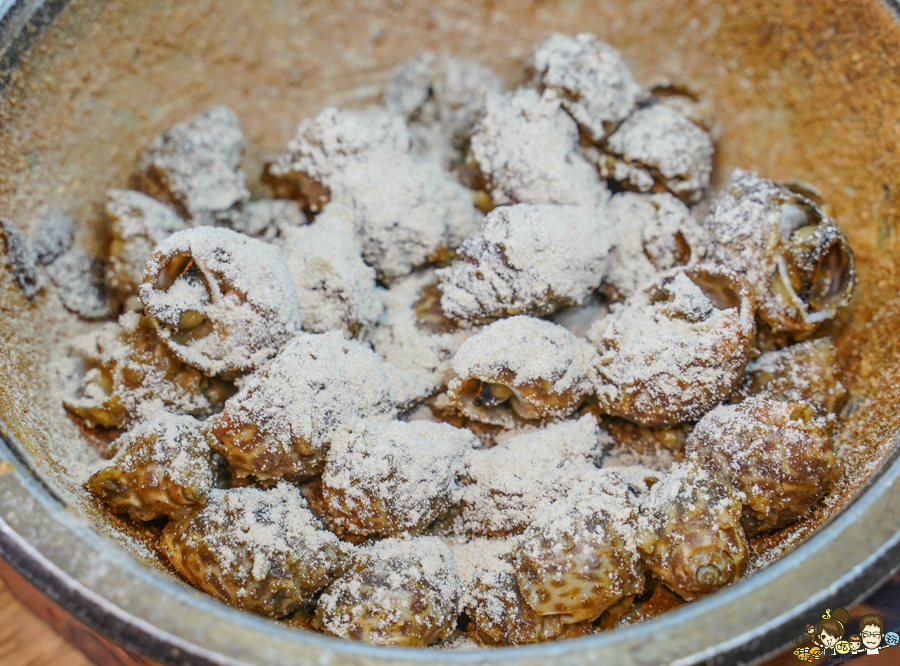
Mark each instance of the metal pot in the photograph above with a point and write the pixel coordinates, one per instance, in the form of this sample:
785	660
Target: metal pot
804	91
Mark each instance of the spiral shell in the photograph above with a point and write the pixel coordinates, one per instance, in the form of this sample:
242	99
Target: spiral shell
397	592
520	368
163	466
676	348
260	550
222	301
579	557
778	454
690	532
794	256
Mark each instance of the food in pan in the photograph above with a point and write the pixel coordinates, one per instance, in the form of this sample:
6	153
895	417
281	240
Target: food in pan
480	370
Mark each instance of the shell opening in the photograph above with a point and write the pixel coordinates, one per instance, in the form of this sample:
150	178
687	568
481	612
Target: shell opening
491	402
830	279
717	288
429	313
182	272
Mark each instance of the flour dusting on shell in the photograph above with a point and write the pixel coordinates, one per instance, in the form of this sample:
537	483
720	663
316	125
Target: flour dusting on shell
285	415
402	337
442	99
526	149
528	259
393	477
512	482
658	147
398	592
405	206
335	287
53	234
654	233
530	350
260	550
266	218
137	223
240	286
120	372
670	353
196	167
594	84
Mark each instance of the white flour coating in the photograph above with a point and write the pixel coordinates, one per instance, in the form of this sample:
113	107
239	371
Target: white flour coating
402	339
101	366
494	601
442	99
53	234
779	454
22	259
173	445
137	223
378	386
400	591
405	206
248	537
481	559
392	477
639	479
579	556
672	487
594	84
511	483
336	139
690	532
531	350
526	148
266	218
659	147
604	494
669	354
196	166
528	259
299	400
249	301
335	287
761	441
655	232
79	280
621	456
807	371
745	226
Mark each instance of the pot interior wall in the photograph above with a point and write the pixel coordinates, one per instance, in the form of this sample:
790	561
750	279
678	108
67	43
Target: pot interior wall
802	91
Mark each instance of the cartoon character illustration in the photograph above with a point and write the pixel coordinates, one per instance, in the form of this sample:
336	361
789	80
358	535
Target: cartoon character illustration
828	637
808	653
871	629
831	629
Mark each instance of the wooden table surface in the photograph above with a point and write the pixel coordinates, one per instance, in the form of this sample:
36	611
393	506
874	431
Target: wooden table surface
27	641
